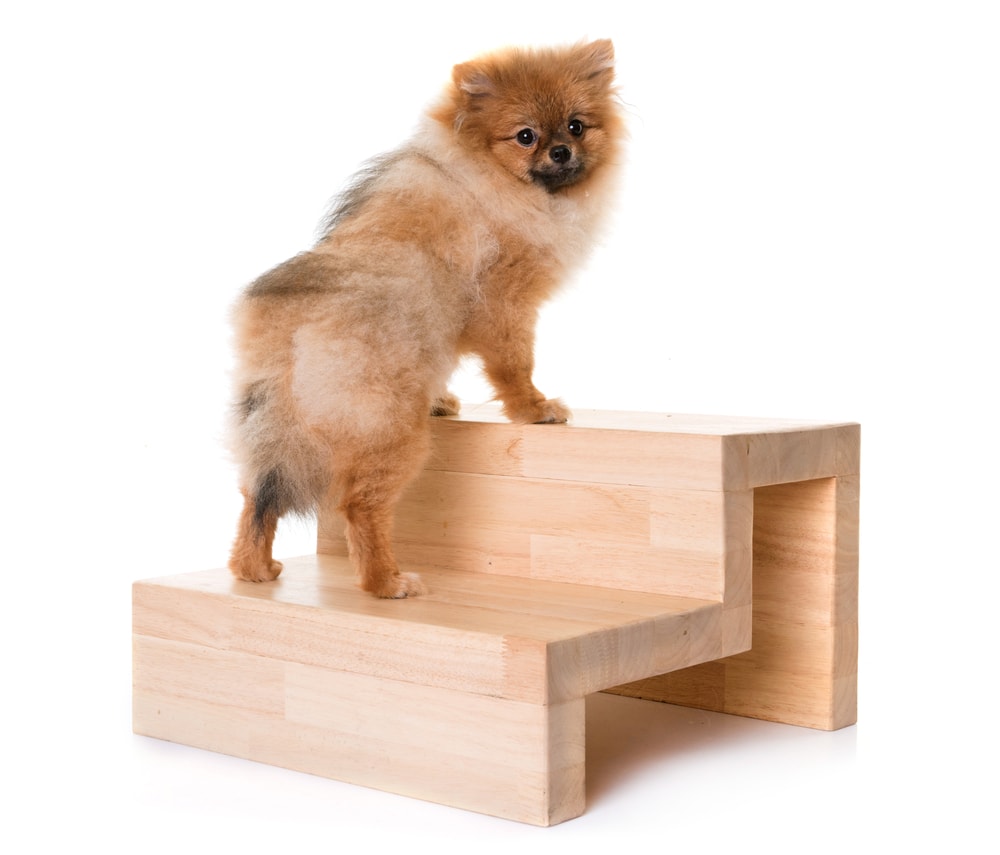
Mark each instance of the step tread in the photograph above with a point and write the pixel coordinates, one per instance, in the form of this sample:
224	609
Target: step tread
541	638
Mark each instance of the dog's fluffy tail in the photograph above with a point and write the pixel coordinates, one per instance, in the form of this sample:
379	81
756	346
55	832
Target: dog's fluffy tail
279	469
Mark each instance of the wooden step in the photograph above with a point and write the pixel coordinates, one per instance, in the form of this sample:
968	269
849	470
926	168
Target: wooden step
499	636
312	674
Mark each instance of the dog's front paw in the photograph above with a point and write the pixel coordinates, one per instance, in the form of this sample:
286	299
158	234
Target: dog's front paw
249	571
553	412
410	585
445	405
545	412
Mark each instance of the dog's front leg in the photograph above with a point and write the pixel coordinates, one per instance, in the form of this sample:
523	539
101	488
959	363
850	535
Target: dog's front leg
507	351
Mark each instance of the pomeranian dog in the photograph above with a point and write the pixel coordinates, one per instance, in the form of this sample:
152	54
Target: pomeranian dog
442	248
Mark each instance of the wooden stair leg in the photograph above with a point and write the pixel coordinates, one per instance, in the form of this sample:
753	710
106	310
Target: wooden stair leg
511	759
802	668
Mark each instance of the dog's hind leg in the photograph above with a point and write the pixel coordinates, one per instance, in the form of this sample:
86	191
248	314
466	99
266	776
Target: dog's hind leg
368	493
250	558
369	532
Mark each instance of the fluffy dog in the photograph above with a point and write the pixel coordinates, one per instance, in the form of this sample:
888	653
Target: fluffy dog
442	248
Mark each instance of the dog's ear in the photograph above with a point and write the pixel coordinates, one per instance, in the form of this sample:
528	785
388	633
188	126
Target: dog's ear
474	84
473	79
597	60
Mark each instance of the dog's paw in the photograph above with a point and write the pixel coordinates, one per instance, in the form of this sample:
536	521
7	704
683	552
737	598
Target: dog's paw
553	412
411	585
545	412
446	405
256	572
402	585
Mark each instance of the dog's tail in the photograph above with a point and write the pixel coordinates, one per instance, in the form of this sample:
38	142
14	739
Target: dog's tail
279	469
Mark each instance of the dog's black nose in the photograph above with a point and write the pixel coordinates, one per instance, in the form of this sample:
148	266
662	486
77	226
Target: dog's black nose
560	153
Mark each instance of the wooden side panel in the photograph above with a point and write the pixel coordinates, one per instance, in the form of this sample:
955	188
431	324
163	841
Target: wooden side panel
802	668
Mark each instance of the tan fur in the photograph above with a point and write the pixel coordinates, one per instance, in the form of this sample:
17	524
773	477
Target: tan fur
444	248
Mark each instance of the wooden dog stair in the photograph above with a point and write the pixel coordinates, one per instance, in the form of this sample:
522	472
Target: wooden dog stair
704	561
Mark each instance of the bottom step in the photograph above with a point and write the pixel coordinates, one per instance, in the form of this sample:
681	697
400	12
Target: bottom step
470	696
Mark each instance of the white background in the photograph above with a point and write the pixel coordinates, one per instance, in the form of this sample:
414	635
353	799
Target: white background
808	228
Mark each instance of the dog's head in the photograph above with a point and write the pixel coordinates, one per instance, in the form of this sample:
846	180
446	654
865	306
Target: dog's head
549	117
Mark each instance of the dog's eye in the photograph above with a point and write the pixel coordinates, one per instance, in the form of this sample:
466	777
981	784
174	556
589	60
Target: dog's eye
576	127
526	137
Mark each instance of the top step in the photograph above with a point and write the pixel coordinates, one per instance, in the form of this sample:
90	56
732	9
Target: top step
628	501
680	451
